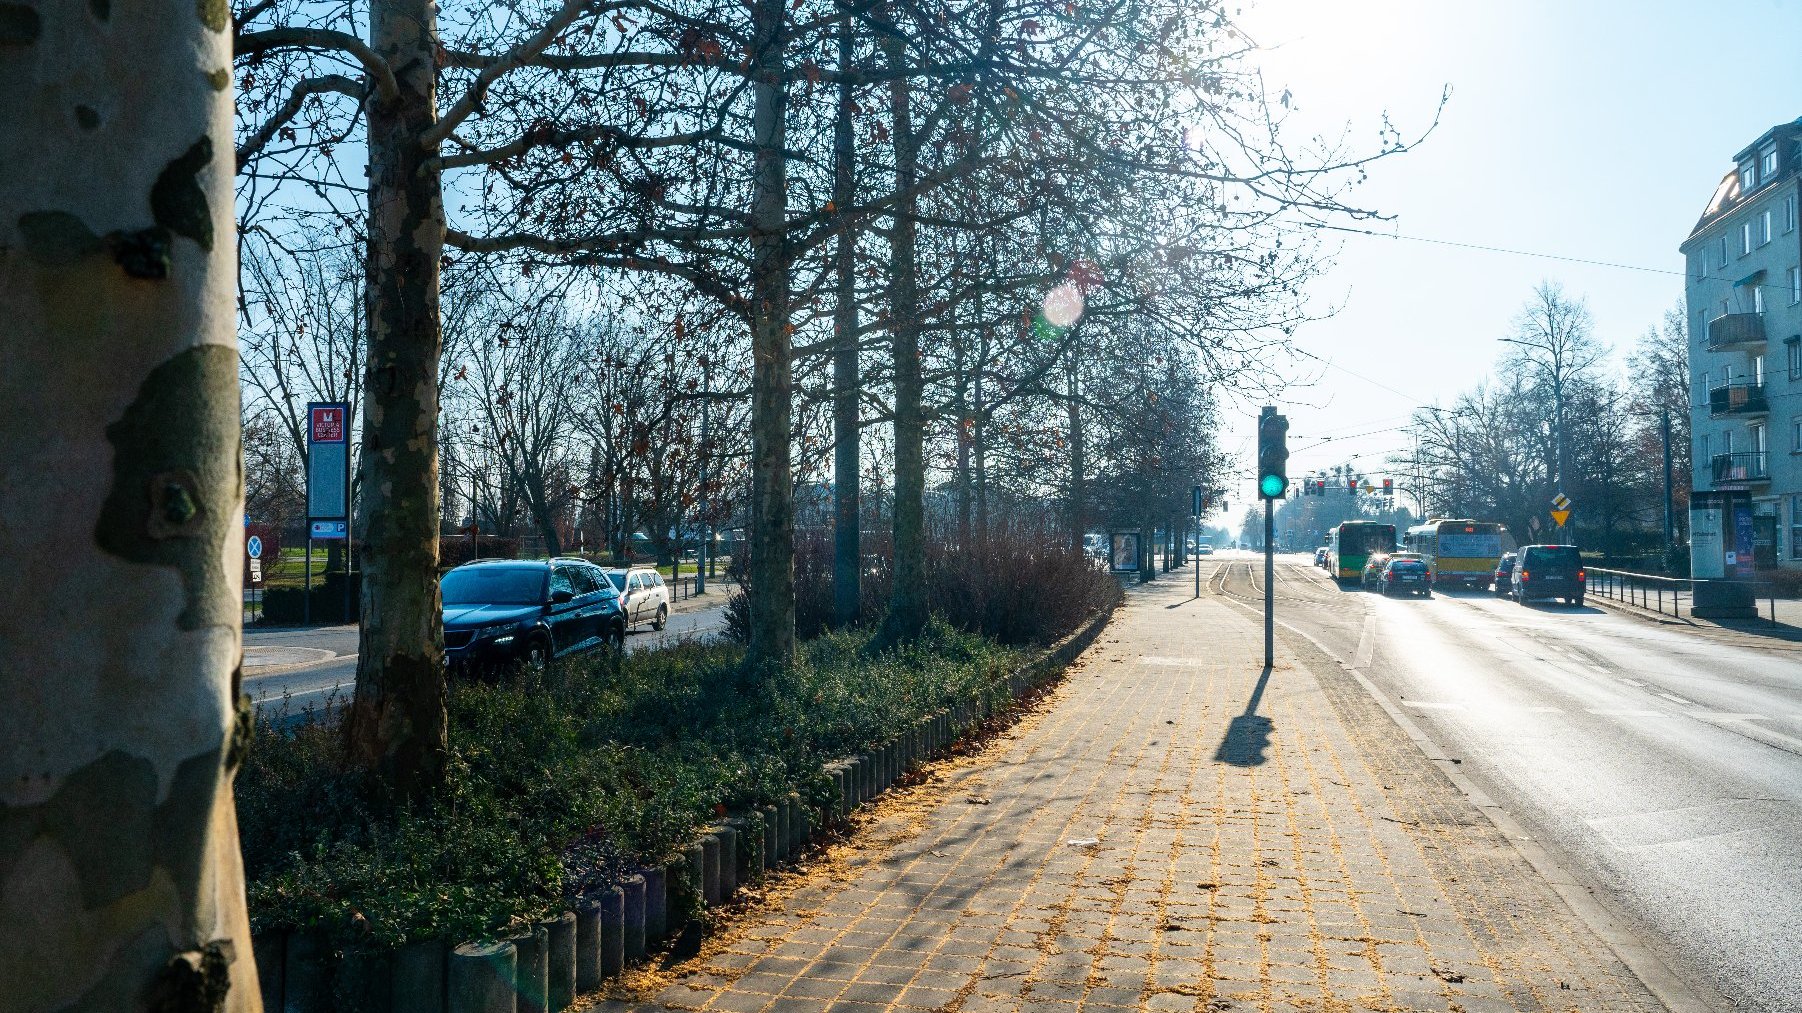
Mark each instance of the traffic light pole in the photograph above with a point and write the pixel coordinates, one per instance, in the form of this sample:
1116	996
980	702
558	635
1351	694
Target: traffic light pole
1269	584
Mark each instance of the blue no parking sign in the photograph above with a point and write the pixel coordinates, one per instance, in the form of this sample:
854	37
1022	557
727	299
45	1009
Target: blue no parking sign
254	546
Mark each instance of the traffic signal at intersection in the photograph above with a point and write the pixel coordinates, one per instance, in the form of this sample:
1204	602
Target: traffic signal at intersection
1273	455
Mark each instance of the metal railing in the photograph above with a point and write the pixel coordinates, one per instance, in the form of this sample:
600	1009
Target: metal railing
1737	399
1732	329
1666	595
1737	468
1645	590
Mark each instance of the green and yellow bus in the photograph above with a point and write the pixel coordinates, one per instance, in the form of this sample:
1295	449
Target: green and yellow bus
1349	546
1459	552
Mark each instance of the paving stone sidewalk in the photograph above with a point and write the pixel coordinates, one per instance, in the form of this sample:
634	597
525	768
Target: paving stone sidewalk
1170	831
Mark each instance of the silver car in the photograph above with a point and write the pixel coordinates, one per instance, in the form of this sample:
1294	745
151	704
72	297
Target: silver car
644	598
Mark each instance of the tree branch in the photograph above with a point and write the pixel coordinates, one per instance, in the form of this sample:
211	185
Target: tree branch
258	43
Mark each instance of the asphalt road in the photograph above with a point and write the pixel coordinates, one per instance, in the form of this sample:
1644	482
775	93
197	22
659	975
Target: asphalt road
1660	768
328	656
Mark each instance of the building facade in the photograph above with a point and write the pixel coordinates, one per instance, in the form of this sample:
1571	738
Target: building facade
1744	293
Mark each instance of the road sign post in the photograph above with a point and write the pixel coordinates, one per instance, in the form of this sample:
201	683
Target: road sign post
328	488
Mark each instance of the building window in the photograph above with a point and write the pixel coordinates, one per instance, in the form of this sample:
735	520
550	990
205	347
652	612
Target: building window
1789	213
1765	222
1795	285
1745	237
1720	250
1792	349
1795	435
1758	299
1748	176
1698	265
1767	159
1795	527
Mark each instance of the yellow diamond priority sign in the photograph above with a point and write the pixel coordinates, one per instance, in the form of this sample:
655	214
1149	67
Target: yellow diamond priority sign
1560	508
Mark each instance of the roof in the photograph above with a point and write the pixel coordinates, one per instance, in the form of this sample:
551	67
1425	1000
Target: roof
1727	196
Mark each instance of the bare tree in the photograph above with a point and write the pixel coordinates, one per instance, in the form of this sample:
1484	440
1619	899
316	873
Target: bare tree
121	883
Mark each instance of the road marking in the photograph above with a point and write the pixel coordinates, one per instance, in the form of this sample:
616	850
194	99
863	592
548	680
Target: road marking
1626	712
1431	705
1724	716
1367	643
1677	699
1634	682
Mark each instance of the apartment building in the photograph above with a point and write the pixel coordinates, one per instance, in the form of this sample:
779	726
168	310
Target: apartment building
1744	287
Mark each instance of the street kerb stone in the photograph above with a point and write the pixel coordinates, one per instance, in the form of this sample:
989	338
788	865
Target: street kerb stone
613	932
588	945
418	978
711	885
632	902
531	969
656	904
561	960
479	979
1144	840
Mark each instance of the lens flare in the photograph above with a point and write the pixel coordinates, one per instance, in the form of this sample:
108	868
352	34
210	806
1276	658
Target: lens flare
1063	305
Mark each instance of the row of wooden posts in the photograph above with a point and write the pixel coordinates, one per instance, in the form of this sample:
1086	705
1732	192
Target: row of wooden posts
543	967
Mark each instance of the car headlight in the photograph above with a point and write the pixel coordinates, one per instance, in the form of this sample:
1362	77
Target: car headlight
500	634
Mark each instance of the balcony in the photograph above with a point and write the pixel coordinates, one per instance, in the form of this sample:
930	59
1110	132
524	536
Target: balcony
1737	399
1736	470
1735	330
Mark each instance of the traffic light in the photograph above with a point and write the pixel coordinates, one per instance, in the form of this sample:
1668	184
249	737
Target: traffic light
1273	454
1388	488
1351	486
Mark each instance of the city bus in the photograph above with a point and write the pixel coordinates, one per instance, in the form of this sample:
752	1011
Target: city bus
1349	546
1459	552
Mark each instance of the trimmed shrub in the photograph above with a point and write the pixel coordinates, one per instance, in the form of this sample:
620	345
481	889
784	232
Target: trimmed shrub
1020	588
558	786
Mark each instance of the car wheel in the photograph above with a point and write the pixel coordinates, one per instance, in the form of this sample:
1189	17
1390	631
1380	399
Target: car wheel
537	655
1577	601
662	619
616	636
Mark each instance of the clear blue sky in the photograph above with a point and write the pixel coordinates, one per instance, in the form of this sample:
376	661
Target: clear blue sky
1593	130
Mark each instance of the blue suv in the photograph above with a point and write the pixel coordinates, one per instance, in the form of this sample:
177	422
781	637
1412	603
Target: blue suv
500	612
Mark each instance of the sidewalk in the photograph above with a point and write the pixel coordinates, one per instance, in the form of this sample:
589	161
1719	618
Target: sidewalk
1167	832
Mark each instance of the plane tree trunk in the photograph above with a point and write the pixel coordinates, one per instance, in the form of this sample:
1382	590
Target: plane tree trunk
772	598
396	724
847	530
907	603
121	885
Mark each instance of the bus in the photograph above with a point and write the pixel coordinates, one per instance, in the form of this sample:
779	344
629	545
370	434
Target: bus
1459	552
1349	547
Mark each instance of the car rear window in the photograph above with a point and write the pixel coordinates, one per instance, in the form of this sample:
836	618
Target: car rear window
1553	557
1408	566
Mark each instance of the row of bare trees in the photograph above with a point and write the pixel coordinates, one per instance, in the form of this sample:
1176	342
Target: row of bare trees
1010	247
1556	417
908	211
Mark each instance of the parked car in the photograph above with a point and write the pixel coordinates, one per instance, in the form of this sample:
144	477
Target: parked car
1373	571
1406	576
645	595
508	611
1204	549
1549	571
1503	578
1320	557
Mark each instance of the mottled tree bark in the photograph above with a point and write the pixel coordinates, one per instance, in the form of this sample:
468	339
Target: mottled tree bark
121	513
396	724
772	597
907	603
847	521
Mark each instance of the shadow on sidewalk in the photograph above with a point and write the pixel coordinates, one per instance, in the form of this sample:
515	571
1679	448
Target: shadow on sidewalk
1249	734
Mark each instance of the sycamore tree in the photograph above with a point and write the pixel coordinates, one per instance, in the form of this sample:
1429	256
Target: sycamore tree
121	885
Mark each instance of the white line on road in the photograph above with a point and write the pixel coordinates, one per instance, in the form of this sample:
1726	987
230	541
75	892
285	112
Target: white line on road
1627	712
1431	705
1677	699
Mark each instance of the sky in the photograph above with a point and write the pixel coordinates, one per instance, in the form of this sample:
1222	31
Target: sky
1592	130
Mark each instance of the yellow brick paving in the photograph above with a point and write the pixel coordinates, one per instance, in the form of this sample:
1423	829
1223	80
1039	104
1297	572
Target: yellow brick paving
1150	843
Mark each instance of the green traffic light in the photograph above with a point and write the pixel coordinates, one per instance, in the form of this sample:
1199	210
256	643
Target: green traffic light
1272	486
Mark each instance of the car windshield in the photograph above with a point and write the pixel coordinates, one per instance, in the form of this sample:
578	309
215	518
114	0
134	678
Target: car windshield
497	585
617	579
1556	557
